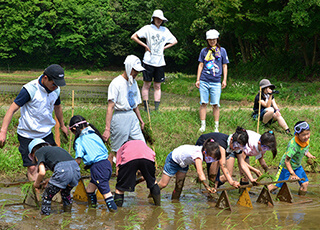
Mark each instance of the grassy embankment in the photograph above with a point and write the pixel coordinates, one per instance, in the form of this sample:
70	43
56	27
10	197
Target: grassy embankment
177	122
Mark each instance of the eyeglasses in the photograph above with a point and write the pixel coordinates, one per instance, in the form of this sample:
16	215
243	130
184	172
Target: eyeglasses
265	148
302	126
208	159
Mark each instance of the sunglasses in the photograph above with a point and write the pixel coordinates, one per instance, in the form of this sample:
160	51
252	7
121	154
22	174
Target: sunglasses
208	159
238	145
300	127
265	148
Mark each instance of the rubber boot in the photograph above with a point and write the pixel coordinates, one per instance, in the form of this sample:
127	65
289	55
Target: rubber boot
118	199
156	105
111	204
146	106
92	200
155	194
302	193
176	194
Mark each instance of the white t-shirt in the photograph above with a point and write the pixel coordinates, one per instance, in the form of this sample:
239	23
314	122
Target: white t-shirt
156	39
124	96
252	145
185	155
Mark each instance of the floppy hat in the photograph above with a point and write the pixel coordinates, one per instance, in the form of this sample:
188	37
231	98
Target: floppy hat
212	34
55	72
264	83
158	14
33	144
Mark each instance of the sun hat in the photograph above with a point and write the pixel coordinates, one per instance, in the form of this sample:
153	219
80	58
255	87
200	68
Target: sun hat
132	62
33	144
264	83
56	73
212	34
158	14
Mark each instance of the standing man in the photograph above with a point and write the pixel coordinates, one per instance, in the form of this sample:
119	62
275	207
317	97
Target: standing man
158	38
37	100
123	99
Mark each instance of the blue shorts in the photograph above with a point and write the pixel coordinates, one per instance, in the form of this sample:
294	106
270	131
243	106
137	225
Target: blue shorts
66	173
100	175
284	174
210	88
171	167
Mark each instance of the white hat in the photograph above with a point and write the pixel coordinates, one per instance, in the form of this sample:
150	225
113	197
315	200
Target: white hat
212	34
158	14
33	144
132	62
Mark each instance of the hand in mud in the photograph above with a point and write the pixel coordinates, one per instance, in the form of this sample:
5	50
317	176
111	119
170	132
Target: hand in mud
211	190
254	182
235	184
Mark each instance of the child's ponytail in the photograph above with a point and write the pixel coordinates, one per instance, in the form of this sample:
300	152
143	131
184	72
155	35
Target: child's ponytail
269	139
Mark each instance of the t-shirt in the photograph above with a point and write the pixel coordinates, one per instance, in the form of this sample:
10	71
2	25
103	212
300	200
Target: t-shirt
221	138
124	96
295	152
156	40
252	148
133	150
212	70
90	147
51	155
185	155
264	97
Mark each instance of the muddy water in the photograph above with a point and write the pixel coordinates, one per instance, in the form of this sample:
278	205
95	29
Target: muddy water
193	211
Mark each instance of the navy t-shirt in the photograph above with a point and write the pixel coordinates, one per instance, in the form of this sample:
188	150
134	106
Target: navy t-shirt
51	155
256	102
221	138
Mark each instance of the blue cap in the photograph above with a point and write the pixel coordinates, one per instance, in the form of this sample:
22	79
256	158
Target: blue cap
33	144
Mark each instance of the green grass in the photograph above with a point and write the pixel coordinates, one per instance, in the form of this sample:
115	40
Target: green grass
179	124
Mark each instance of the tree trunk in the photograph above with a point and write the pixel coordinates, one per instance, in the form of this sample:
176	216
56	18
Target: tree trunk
243	52
314	54
304	52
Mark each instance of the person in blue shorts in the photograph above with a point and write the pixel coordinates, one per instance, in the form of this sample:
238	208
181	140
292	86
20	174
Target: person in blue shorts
290	164
89	146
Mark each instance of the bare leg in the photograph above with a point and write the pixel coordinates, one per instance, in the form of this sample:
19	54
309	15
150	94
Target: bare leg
145	90
164	181
203	114
180	177
216	112
32	172
157	91
303	188
230	163
268	115
281	121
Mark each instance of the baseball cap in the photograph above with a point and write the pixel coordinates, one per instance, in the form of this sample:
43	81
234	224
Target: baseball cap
158	14
33	144
212	34
56	73
264	83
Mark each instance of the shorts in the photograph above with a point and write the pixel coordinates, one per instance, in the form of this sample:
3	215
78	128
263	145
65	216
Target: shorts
171	167
100	175
24	151
284	174
66	173
125	126
210	88
262	113
126	180
153	72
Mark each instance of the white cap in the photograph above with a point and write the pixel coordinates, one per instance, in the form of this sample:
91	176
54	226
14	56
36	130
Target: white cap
132	62
158	14
212	34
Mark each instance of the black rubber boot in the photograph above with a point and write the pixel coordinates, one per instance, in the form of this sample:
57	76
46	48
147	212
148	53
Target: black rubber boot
146	106
118	199
111	204
92	200
155	194
156	105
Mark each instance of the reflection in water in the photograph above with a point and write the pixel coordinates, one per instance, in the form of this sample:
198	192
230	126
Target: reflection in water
193	211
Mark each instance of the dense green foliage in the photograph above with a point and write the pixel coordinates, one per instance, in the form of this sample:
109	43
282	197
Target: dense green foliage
275	37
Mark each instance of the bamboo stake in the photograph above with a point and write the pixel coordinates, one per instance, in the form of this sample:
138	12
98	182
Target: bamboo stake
147	103
259	110
72	111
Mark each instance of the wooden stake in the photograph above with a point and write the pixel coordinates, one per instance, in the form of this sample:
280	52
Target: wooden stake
70	138
260	91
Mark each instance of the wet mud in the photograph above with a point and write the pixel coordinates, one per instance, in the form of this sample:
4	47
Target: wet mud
195	210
